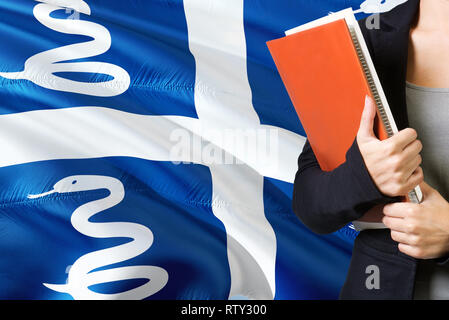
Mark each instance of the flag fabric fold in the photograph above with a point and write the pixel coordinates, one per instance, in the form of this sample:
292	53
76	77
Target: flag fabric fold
119	174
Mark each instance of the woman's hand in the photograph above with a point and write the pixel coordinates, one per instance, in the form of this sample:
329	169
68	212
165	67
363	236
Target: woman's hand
422	230
394	163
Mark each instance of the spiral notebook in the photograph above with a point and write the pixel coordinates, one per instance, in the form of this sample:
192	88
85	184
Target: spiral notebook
327	70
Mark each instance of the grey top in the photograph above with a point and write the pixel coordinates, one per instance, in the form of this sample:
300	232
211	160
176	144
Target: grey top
428	113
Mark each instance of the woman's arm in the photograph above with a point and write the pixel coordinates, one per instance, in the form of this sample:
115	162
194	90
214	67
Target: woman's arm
375	172
327	201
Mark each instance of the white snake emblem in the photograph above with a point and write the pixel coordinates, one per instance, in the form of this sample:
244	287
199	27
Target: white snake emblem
41	68
81	275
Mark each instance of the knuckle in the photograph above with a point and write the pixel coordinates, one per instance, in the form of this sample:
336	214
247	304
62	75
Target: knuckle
390	147
420	177
419	159
398	178
411	132
411	227
420	145
417	179
416	240
419	253
410	211
396	163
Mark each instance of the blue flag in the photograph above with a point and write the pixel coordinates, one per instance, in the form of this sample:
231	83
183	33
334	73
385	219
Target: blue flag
148	151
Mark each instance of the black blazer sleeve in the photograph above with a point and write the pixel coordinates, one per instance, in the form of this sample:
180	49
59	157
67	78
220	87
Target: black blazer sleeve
327	201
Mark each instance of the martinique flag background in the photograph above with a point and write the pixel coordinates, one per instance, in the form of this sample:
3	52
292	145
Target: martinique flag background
153	228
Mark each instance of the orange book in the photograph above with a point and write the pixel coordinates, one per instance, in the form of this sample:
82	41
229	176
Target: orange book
327	71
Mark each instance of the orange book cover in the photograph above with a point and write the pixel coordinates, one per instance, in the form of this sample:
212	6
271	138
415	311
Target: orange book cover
324	78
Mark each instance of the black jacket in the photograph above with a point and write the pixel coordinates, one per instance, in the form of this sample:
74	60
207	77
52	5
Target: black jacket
327	201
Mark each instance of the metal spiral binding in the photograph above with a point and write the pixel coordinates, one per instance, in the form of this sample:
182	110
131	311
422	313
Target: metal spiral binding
413	197
371	83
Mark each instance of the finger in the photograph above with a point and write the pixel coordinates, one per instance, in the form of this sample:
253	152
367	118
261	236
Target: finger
415	179
411	250
426	189
367	120
396	210
396	224
412	166
412	150
403	138
403	237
